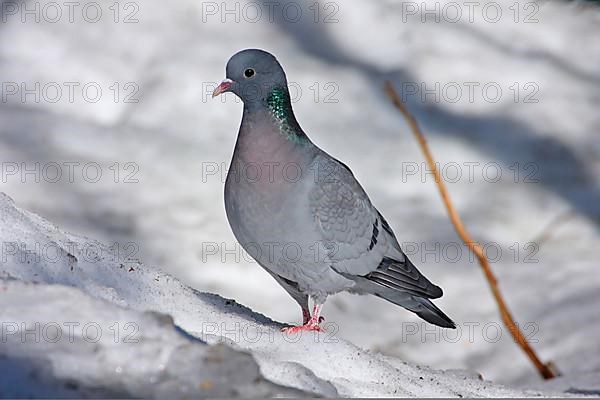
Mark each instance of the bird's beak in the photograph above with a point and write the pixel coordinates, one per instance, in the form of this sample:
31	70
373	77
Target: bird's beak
225	86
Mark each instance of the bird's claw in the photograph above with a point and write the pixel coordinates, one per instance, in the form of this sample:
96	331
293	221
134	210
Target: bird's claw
310	323
306	327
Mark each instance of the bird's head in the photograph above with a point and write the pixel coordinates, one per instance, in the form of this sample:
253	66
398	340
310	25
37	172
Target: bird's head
252	75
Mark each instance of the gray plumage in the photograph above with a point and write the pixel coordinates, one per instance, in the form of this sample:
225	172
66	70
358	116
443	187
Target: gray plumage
301	213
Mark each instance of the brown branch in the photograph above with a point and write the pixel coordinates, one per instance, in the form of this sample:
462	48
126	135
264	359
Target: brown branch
546	370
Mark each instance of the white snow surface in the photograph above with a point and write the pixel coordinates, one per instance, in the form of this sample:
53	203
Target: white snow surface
59	342
166	206
78	323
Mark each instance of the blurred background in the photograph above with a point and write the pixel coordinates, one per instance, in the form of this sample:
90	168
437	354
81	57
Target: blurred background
108	130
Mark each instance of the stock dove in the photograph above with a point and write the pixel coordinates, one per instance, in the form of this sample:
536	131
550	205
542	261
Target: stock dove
301	214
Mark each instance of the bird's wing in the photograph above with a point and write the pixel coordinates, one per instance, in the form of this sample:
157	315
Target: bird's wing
360	242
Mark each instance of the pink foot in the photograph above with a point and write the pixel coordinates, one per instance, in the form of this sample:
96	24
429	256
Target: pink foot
310	324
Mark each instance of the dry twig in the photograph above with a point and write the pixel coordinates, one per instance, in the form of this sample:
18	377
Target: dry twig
546	370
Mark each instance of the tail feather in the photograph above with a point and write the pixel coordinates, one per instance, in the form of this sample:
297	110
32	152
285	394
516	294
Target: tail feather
434	315
421	306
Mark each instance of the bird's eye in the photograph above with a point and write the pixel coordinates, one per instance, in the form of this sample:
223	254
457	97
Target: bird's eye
249	73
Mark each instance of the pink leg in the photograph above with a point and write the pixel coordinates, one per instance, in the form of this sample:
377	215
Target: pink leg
310	324
305	316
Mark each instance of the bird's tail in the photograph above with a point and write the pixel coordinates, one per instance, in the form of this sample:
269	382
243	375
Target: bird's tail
421	306
431	313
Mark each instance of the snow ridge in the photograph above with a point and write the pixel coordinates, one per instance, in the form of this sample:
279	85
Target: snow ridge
161	338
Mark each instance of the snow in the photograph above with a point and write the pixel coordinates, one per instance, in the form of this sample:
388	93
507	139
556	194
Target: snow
78	323
171	212
52	348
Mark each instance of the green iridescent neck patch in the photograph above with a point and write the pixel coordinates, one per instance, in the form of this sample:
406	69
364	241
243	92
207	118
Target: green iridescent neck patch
280	106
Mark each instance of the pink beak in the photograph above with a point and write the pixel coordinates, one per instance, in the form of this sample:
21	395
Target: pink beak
222	88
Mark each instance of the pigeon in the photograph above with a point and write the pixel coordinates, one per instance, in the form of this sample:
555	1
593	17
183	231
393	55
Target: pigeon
301	213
